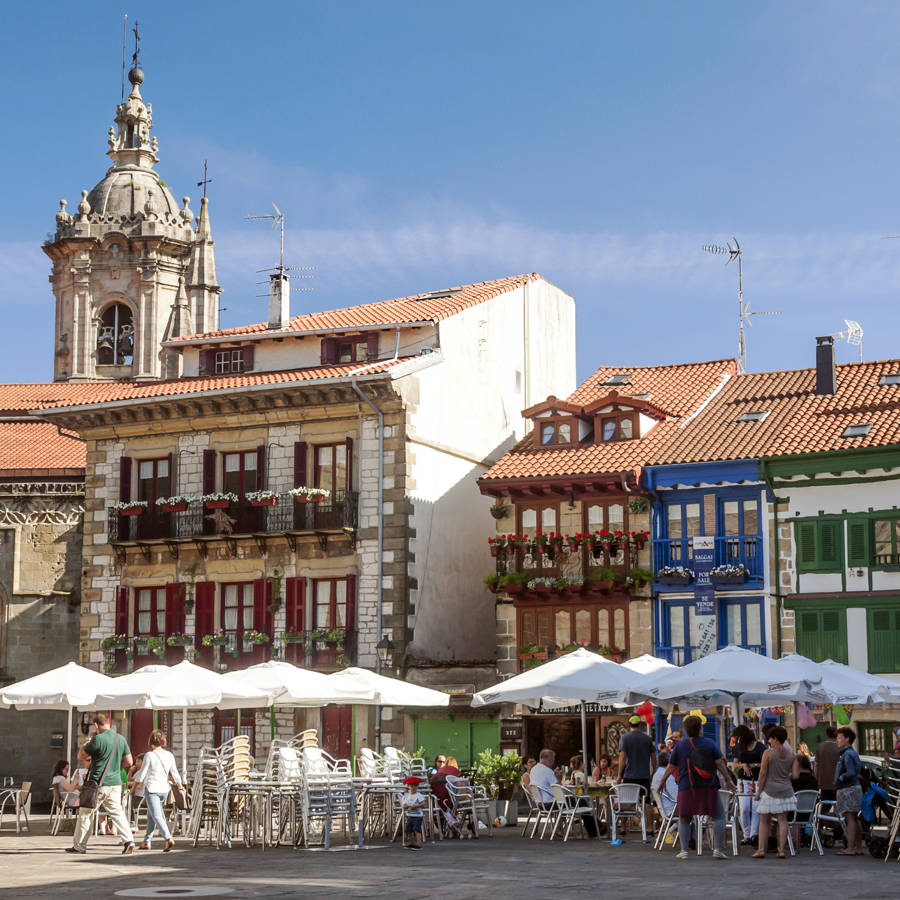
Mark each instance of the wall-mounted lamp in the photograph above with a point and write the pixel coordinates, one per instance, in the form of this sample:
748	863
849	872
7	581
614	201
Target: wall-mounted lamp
571	500
385	648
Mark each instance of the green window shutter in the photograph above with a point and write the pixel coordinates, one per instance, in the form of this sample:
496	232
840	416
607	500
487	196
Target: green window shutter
830	544
883	640
834	635
805	535
858	542
809	636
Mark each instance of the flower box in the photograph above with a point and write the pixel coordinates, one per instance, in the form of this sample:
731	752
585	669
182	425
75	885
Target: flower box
542	588
682	580
114	644
180	640
598	587
174	507
217	504
738	578
267	501
514	588
215	640
293	637
132	511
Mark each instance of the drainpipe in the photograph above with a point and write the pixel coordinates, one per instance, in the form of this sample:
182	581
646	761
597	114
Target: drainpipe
654	506
777	551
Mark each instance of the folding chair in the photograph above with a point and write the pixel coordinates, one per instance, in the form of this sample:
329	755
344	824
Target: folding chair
533	808
17	799
569	806
59	807
627	801
802	815
823	814
469	804
668	822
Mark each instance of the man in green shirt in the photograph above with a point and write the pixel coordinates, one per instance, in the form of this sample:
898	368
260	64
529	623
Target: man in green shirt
108	753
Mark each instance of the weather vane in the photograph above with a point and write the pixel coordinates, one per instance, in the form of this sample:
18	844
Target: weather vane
137	45
205	180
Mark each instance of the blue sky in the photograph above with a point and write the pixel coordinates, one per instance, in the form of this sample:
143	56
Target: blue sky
418	145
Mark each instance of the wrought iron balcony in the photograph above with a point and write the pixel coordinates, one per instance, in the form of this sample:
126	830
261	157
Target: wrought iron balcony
681	656
730	550
339	512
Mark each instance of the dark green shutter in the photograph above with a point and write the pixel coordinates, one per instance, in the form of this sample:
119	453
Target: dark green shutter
884	640
830	534
809	639
805	534
834	635
858	542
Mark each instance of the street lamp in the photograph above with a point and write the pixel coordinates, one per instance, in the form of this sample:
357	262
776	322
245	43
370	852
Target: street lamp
385	648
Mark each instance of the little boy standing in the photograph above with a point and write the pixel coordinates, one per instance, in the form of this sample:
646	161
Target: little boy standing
413	806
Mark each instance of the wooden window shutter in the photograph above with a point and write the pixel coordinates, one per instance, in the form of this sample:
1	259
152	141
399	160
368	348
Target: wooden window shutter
351	601
262	599
834	635
348	475
207	362
209	471
299	463
329	351
372	345
883	647
204	615
261	474
858	542
805	535
294	602
125	479
122	609
831	533
248	353
174	608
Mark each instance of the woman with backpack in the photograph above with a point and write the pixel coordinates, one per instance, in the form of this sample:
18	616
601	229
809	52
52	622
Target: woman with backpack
776	794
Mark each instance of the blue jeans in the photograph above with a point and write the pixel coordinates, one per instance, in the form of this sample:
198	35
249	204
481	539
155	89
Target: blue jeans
156	818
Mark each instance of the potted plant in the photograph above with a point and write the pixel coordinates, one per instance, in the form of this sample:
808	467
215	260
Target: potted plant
131	507
176	503
555	543
497	544
610	651
293	637
601	580
727	574
115	642
640	576
674	575
218	639
499	775
156	646
180	640
307	494
638	505
219	499
532	651
573	542
275	581
336	636
499	510
109	666
261	498
492	582
638	539
513	582
256	637
541	585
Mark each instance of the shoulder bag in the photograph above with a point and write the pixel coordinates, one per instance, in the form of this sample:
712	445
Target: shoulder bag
179	794
90	790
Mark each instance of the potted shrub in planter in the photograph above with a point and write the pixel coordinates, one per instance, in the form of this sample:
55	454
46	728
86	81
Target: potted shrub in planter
180	640
610	651
531	655
554	545
218	639
499	510
256	637
500	776
492	582
115	642
150	644
497	545
293	637
261	498
176	503
601	580
638	505
308	494
219	500
513	582
131	507
541	585
675	575
640	576
728	574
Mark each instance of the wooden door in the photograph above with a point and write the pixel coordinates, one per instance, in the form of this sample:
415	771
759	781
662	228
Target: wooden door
337	731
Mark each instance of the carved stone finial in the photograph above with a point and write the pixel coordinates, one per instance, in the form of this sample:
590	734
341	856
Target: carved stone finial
63	218
84	208
154	144
186	214
111	138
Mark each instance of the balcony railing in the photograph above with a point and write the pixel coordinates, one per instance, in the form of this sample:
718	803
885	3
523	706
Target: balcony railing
340	511
681	656
314	652
730	550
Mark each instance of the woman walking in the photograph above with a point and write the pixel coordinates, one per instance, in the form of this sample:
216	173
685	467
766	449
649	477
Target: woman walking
776	795
155	774
849	792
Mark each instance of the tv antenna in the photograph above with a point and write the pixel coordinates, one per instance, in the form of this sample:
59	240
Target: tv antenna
745	317
278	220
124	52
853	334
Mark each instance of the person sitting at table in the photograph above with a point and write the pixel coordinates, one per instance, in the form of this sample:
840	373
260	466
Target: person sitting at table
439	761
439	783
530	763
668	792
543	777
802	778
604	770
65	789
576	770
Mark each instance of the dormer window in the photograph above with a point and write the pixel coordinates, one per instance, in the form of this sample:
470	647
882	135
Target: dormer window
617	427
555	432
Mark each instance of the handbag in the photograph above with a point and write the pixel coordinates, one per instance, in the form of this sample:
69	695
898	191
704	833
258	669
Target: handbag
179	795
90	790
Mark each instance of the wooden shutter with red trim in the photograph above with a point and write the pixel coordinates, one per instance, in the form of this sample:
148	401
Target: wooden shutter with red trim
261	467
294	602
329	351
248	353
372	345
174	608
121	624
125	479
299	463
348	471
204	619
351	602
207	362
209	471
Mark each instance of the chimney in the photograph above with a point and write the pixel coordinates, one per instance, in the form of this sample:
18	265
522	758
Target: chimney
279	299
826	380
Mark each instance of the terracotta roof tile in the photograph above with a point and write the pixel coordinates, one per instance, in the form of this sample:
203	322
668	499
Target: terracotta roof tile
418	308
679	390
799	420
37	445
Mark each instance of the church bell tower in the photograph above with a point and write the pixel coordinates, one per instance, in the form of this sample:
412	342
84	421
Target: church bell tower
131	268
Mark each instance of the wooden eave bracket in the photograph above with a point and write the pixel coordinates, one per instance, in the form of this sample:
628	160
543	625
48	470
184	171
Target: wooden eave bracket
145	550
322	538
173	548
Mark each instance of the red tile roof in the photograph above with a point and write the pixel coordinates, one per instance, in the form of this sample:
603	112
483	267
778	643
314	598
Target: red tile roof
37	447
799	420
89	393
679	390
429	307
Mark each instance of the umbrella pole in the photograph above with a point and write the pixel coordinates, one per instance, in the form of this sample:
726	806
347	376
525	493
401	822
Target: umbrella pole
796	728
155	719
69	735
183	742
585	763
353	739
237	730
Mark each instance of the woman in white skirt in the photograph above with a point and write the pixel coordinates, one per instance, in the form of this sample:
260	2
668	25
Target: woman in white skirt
776	796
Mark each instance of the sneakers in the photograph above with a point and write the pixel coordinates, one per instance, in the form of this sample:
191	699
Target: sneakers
76	849
720	854
128	849
682	855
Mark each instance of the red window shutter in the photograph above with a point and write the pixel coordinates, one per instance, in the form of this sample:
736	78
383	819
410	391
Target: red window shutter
125	479
122	609
248	350
174	609
262	599
372	345
329	351
207	362
351	601
204	607
299	463
294	602
209	471
172	482
261	482
348	475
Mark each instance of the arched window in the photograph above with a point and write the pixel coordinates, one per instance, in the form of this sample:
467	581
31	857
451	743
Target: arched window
115	336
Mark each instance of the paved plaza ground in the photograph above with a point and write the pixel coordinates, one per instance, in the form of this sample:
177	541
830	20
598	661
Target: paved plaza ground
34	865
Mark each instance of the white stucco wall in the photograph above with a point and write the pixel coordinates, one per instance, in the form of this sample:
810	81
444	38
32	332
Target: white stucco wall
499	358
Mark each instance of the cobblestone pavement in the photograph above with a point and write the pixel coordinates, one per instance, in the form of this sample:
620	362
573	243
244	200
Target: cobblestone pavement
34	865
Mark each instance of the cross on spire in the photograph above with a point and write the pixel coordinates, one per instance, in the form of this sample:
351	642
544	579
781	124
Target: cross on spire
205	180
137	45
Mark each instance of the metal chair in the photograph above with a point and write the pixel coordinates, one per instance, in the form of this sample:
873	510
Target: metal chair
543	810
59	807
668	821
569	806
17	801
727	799
627	801
802	815
469	804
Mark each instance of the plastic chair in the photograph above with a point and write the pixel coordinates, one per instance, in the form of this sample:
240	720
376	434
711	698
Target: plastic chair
569	806
628	801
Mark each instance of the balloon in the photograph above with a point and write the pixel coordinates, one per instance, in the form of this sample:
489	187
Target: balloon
840	714
699	715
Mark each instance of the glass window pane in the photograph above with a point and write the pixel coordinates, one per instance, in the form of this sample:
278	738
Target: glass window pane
562	628
751	517
609	429
673	514
754	624
345	353
232	462
603	617
621	640
595	517
626	429
733	633
548	518
161	616
563	433
692	519
529	519
883	536
615	513
146	468
582	626
361	351
340	454
693	625
162	468
340	604
250	461
730	517
676	626
547	434
323	604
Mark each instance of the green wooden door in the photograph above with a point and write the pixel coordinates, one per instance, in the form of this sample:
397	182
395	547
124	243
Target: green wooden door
883	627
462	738
822	634
485	736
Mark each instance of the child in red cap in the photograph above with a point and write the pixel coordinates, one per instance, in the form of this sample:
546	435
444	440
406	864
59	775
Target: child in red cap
413	807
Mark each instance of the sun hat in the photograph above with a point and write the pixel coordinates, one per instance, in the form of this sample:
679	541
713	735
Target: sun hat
634	720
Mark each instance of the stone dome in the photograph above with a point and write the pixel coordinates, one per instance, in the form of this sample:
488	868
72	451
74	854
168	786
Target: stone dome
126	191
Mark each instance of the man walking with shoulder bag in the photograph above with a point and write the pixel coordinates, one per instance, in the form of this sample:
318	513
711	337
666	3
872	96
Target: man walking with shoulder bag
102	788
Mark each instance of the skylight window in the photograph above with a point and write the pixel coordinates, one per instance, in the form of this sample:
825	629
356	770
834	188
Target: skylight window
641	396
857	430
619	378
889	379
754	415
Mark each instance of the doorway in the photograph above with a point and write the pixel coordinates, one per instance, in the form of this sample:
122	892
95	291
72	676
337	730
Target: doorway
337	731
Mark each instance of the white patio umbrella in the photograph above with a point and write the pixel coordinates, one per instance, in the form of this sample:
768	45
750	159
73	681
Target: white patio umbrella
648	665
64	688
737	677
357	685
183	686
843	684
580	676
